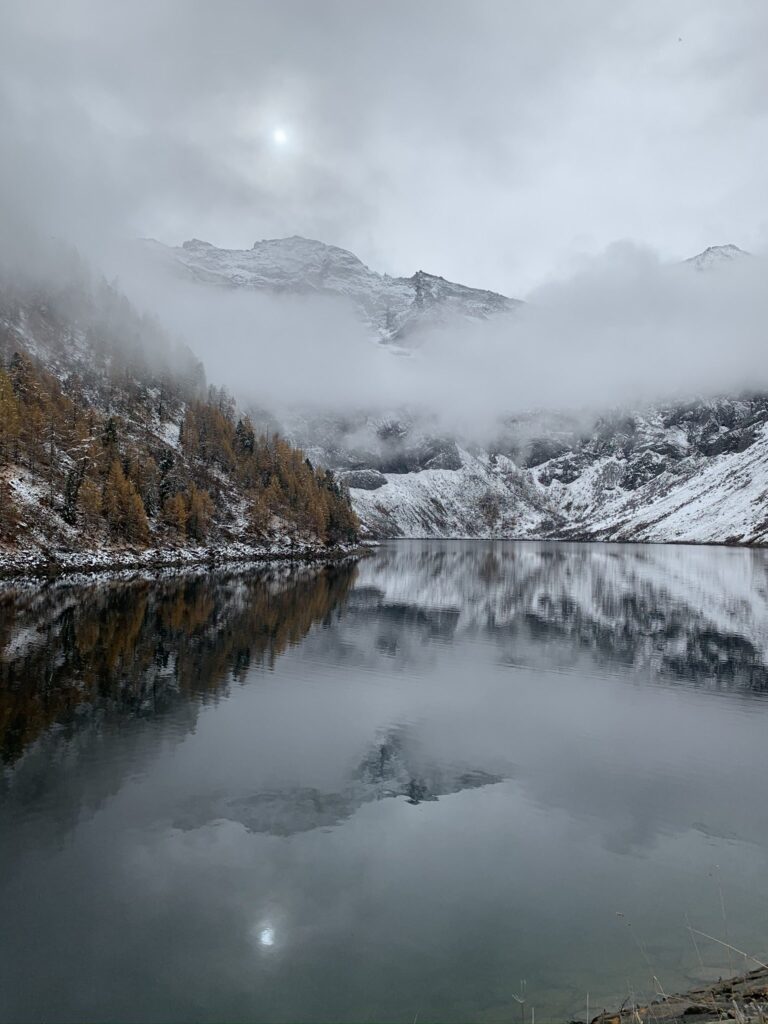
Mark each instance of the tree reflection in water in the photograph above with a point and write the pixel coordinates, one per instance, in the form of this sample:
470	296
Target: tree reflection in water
137	648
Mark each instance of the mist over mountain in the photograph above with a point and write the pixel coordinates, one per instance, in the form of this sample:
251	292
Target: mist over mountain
395	309
113	448
624	401
621	329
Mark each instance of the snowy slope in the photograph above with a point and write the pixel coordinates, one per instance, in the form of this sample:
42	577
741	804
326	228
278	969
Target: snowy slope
394	308
667	474
486	497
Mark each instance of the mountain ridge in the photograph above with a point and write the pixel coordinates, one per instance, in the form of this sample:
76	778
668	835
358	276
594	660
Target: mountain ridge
393	308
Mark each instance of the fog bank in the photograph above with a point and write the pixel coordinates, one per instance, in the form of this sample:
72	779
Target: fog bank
623	329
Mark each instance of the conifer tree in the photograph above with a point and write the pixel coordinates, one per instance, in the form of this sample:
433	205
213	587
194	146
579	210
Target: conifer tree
8	515
89	503
175	513
10	419
199	513
123	508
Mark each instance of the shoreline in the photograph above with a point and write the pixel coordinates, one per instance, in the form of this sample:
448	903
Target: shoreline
743	997
42	566
759	545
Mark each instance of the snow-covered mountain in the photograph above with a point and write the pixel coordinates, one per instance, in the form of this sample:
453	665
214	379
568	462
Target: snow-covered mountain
694	473
715	256
394	308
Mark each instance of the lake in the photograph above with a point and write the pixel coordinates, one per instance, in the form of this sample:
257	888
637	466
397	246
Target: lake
454	781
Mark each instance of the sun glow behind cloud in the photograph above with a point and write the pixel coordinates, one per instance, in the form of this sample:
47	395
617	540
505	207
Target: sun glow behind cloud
495	169
263	935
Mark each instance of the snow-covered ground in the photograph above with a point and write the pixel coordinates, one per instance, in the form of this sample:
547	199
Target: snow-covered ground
486	497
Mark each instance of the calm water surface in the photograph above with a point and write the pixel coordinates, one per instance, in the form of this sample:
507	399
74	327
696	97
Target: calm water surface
454	774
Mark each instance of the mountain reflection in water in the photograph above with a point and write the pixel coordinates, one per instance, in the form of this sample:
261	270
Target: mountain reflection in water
380	789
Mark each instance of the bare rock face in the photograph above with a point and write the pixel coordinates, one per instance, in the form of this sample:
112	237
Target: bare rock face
363	479
440	453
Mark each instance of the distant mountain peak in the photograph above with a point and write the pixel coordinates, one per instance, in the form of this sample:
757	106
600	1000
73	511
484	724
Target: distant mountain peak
393	307
716	255
197	243
298	242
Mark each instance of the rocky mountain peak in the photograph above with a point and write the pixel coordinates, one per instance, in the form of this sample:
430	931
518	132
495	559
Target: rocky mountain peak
196	243
716	255
393	308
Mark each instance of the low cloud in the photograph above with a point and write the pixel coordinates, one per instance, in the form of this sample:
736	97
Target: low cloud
623	329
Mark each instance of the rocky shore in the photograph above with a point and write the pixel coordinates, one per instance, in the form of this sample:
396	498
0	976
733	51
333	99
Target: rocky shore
15	563
743	998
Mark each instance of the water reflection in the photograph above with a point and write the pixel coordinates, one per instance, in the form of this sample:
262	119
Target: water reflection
136	649
696	614
393	767
382	790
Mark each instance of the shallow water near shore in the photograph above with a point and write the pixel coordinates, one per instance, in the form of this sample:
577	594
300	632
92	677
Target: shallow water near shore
458	780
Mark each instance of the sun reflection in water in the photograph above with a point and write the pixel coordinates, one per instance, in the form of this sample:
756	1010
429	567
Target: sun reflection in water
263	935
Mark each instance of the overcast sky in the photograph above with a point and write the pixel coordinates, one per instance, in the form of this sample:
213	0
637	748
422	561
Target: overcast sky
490	142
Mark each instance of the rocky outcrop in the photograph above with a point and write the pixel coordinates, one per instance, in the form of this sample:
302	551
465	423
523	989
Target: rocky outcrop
363	479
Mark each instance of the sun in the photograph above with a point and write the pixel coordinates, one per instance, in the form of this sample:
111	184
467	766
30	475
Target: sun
279	136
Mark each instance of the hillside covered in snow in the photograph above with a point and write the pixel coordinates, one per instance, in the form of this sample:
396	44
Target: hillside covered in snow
689	473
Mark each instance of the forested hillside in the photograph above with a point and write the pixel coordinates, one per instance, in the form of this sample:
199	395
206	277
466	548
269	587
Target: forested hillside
110	438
